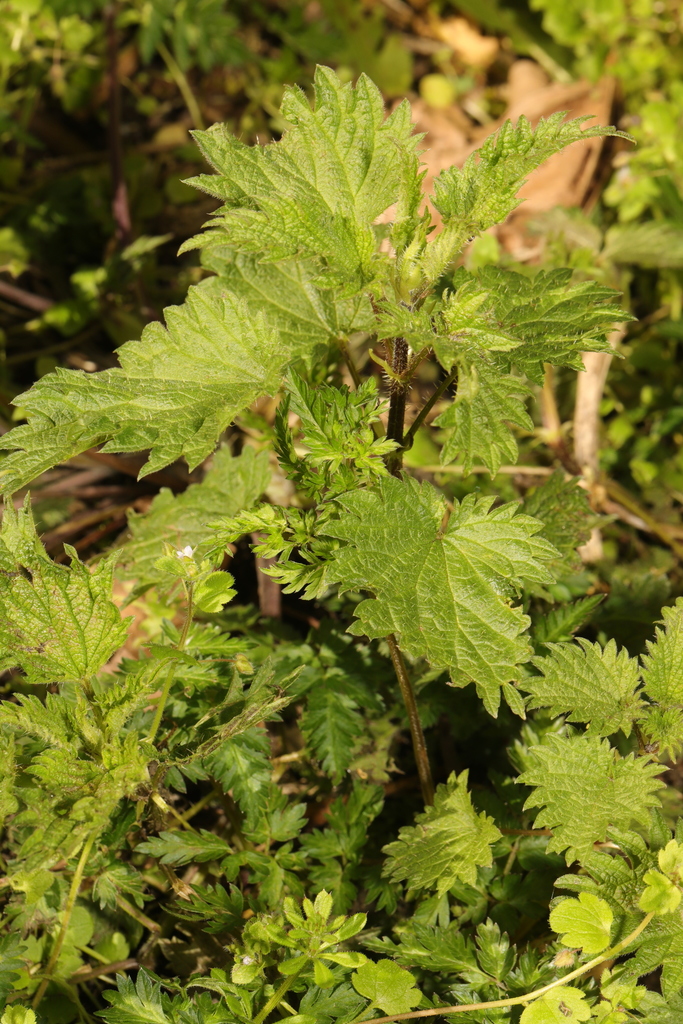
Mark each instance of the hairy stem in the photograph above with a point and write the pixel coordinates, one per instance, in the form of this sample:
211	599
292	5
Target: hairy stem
529	997
68	911
397	405
183	85
280	993
426	409
419	746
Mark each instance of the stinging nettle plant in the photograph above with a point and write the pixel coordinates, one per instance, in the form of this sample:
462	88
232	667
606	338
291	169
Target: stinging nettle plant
303	264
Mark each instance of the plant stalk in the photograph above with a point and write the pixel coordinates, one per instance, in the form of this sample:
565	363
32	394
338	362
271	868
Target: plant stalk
68	911
119	204
279	995
397	406
529	997
183	85
171	671
424	770
426	409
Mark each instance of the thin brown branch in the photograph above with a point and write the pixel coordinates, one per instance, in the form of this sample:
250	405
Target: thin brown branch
119	205
36	303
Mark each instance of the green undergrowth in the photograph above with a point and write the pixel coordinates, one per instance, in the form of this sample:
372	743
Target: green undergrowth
417	795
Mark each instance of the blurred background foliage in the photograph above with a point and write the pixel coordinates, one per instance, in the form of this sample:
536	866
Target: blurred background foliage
97	101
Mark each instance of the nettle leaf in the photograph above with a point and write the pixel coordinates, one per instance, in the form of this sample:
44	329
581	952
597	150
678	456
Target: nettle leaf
487	401
58	623
387	985
588	683
663	663
175	392
584	923
563	1005
564	509
484	191
449	841
307	317
317	191
584	787
231	484
442	590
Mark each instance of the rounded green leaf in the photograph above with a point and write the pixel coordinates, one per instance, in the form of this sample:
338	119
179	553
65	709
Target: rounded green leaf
387	985
215	591
583	923
660	896
563	1005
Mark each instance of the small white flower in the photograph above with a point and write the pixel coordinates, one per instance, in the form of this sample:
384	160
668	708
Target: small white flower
247	960
187	552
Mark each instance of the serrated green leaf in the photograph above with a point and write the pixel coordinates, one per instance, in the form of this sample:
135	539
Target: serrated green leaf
231	484
242	766
440	590
584	787
137	1003
559	623
564	509
584	923
487	401
387	985
11	963
317	191
449	841
484	191
58	623
331	725
663	663
588	683
307	317
214	592
175	392
184	847
563	1005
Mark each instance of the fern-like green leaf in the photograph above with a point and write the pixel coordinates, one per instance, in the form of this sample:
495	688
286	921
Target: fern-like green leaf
484	191
449	841
232	483
589	684
140	1002
583	787
177	389
331	725
443	590
58	623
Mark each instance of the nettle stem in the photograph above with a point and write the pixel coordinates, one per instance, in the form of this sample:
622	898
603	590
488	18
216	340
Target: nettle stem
397	405
529	997
424	770
397	409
